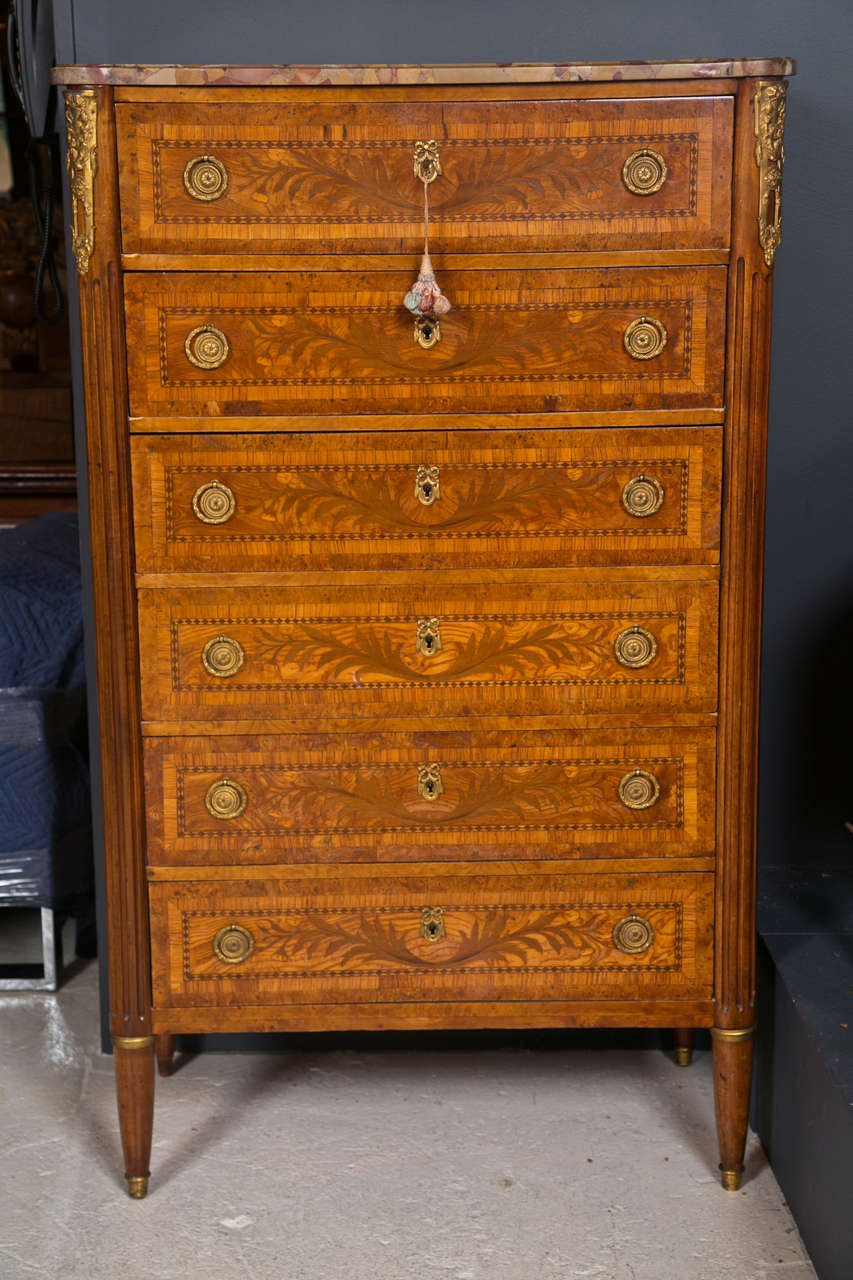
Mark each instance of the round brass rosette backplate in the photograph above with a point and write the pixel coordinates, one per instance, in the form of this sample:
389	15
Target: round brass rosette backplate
226	799
644	172
206	178
222	657
639	789
233	944
206	347
214	503
643	496
645	338
635	647
633	935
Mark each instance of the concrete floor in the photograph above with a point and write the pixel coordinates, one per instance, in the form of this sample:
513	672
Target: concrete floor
489	1164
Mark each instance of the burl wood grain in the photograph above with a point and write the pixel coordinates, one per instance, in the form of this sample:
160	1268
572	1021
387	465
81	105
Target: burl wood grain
506	938
355	798
505	498
520	647
538	340
515	175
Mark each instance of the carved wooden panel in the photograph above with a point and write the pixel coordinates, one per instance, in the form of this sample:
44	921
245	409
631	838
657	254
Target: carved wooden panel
534	937
338	342
540	648
359	798
531	175
477	498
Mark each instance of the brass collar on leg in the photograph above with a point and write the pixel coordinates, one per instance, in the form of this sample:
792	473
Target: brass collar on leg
133	1042
137	1186
731	1178
732	1037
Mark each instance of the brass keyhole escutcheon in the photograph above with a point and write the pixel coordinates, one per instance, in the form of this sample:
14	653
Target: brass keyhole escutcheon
214	503
430	785
432	923
644	172
427	332
645	338
226	799
233	944
639	789
643	496
206	178
428	638
633	935
206	347
222	657
635	647
427	487
426	162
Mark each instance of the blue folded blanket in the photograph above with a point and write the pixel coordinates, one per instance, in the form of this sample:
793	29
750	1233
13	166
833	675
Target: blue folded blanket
41	618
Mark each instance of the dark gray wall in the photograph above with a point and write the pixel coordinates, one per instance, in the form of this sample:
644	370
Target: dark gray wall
808	663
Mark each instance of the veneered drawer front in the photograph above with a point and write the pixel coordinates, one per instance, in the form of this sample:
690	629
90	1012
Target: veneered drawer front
470	938
334	342
246	502
430	797
248	178
495	648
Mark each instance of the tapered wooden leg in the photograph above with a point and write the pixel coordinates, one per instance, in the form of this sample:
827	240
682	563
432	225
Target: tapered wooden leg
732	1081
134	1067
165	1049
684	1037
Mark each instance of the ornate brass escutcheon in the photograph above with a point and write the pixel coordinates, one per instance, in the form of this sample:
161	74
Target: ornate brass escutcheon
427	332
643	496
639	789
222	657
428	638
225	799
430	785
233	944
214	503
427	487
432	923
644	172
206	347
633	935
635	647
427	165
645	338
206	178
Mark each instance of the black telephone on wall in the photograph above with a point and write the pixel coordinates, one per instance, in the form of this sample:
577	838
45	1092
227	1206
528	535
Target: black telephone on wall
31	45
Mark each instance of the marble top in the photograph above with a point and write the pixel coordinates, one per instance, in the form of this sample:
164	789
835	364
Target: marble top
417	74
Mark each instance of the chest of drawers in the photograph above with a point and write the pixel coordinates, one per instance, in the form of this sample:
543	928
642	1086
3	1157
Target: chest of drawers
427	673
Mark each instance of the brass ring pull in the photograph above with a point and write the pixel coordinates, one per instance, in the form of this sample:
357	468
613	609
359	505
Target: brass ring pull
225	799
214	503
645	338
635	647
432	923
427	488
427	165
633	935
643	496
206	347
428	637
205	178
430	786
644	172
222	657
233	944
639	789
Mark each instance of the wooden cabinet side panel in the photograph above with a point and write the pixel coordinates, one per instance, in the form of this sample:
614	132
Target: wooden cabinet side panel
117	660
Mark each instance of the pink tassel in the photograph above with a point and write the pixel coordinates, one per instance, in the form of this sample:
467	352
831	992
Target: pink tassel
425	298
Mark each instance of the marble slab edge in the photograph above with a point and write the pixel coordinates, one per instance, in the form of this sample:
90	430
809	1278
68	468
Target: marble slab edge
414	74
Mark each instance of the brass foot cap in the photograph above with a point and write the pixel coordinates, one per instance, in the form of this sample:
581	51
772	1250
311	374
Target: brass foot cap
731	1178
137	1188
683	1056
